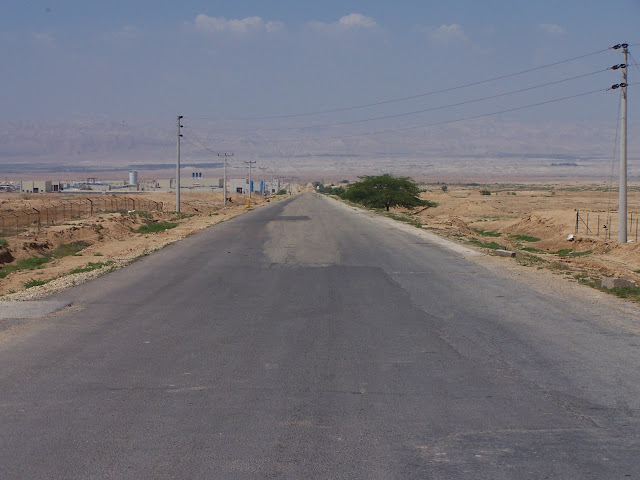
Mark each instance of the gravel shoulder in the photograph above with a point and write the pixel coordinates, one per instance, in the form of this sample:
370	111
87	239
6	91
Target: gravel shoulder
543	281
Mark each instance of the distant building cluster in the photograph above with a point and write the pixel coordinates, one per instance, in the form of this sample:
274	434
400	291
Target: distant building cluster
196	182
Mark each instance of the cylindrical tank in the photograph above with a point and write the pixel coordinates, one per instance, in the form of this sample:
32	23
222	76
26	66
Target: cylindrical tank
133	177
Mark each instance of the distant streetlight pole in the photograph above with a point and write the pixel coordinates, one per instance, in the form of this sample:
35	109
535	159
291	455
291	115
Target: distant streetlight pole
264	179
180	117
224	180
250	163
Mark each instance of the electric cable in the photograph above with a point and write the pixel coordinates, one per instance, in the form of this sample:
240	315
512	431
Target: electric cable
200	146
413	127
634	61
411	97
442	107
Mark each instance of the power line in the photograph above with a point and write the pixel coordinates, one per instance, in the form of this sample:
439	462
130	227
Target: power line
391	130
634	62
199	146
442	107
384	102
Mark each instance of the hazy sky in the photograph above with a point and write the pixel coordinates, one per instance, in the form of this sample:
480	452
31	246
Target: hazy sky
149	60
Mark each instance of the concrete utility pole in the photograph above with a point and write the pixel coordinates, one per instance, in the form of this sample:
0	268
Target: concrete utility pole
622	186
250	163
622	200
264	179
224	180
178	166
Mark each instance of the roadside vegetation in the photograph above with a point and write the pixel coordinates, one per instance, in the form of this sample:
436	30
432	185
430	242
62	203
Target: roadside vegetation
156	227
380	192
509	223
91	266
34	263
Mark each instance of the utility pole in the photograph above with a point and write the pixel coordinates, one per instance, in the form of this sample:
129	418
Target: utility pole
224	180
622	200
250	163
622	186
178	166
264	179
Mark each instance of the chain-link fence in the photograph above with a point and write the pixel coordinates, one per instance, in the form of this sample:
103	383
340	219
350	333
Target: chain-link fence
33	219
605	225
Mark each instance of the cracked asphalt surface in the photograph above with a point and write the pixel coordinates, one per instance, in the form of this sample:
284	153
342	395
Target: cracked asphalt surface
305	340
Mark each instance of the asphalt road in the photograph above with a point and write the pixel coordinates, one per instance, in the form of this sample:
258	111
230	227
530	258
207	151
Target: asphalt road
304	340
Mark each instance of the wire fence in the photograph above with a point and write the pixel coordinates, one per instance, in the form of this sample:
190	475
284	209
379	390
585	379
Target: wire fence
33	219
605	225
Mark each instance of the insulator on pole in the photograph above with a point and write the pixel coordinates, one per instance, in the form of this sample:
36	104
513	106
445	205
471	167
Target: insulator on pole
613	87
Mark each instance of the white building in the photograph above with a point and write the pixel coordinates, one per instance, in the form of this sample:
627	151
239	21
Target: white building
266	187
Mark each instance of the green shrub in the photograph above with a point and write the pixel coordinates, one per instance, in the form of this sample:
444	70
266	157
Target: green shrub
91	266
567	252
25	264
34	283
489	245
156	227
525	238
141	213
625	292
68	249
404	218
485	192
484	233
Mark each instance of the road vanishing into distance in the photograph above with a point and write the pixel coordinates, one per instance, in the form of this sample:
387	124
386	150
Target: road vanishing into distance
307	340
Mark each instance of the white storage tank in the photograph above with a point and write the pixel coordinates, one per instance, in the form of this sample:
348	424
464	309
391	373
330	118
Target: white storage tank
133	177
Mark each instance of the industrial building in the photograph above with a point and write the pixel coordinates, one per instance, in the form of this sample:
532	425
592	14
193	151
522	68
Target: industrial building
39	186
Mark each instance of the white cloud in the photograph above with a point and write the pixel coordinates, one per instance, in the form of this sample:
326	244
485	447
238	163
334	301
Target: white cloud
446	34
356	20
552	29
125	34
353	21
44	39
207	24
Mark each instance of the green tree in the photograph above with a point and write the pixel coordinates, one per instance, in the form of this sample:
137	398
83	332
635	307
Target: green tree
385	191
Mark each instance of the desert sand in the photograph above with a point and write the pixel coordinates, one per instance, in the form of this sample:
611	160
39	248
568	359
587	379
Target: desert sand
534	220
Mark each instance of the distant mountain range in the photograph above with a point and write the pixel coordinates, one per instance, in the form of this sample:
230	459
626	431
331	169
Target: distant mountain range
481	149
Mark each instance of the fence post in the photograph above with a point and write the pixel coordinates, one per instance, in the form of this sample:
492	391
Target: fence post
38	218
587	223
577	220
